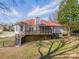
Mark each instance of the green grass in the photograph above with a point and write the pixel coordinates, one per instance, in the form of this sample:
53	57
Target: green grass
6	38
6	41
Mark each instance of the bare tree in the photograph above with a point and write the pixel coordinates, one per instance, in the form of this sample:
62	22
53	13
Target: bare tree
52	53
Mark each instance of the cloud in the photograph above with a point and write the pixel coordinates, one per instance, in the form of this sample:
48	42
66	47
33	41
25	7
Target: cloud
38	11
45	9
12	12
9	16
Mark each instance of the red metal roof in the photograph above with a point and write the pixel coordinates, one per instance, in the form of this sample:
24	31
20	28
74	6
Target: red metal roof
49	23
42	22
53	24
30	22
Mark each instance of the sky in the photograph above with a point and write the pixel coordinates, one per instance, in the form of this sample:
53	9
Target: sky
19	10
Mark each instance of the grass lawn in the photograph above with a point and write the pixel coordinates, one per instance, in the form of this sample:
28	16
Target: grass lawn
4	41
47	48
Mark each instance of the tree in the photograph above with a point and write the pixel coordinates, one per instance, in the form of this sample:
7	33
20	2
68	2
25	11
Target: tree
55	48
68	14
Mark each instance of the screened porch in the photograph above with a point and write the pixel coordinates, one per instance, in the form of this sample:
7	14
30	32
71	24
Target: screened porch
30	30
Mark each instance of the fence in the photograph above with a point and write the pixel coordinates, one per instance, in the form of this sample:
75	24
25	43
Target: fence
7	44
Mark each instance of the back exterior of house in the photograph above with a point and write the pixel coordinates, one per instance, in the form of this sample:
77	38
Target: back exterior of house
37	29
38	26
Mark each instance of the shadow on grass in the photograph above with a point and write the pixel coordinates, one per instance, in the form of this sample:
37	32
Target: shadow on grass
52	53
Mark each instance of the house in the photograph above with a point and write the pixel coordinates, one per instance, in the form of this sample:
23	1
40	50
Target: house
1	27
9	27
38	26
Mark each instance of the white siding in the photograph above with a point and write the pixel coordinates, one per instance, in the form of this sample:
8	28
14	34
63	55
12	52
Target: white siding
56	29
17	28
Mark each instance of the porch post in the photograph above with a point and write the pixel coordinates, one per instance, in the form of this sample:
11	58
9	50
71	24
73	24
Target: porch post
17	35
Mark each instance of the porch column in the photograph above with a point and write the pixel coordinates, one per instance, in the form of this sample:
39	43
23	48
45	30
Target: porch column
24	29
17	35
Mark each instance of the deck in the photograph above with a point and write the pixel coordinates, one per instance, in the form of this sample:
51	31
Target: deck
36	35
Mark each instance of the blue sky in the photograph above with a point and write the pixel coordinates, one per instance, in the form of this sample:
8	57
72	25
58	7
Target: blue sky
23	9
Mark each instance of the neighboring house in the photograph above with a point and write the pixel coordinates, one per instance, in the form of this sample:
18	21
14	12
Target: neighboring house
9	27
1	27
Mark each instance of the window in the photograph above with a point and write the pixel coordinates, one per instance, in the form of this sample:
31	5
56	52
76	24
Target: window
21	28
30	28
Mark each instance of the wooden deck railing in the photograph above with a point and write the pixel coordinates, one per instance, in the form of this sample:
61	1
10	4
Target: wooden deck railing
36	33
